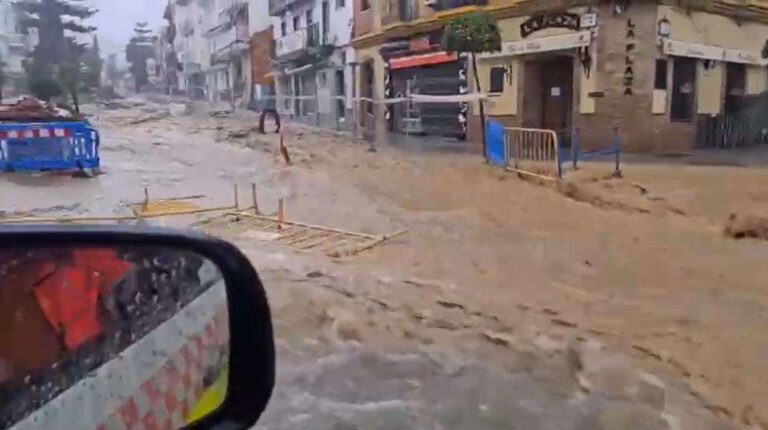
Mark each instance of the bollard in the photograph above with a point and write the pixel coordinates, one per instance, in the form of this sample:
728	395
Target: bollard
280	213
617	150
237	200
255	200
575	144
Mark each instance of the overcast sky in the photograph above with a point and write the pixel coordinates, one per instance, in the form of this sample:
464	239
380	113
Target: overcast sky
116	18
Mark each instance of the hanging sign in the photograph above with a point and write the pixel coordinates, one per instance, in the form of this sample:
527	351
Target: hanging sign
542	44
553	20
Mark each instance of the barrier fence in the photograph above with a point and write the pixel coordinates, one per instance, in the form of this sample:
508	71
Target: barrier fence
614	150
533	152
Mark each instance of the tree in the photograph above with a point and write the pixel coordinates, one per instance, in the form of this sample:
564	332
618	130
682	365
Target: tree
139	49
93	65
69	73
113	74
51	18
473	33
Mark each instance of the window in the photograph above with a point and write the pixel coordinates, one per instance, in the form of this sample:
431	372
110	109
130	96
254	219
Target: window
296	22
339	4
283	27
660	82
365	4
683	89
497	79
309	17
735	83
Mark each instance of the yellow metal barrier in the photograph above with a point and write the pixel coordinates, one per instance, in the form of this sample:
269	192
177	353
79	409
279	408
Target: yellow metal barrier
532	151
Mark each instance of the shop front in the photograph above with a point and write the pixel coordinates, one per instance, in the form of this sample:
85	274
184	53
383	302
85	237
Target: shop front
651	71
417	67
535	80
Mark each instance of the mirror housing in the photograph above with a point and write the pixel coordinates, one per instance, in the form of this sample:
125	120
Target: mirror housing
251	343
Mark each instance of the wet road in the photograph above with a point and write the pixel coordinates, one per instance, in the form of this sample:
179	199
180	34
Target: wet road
343	386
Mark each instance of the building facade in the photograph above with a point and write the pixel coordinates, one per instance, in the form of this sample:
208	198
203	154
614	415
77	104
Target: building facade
313	60
655	71
228	41
14	49
191	18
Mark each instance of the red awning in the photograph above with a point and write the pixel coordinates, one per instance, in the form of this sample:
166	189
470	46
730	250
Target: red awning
421	60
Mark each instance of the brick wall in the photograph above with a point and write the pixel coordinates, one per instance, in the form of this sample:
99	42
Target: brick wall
261	54
640	130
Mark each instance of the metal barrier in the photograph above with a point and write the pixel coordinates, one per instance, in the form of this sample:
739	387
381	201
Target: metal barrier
614	150
48	146
534	152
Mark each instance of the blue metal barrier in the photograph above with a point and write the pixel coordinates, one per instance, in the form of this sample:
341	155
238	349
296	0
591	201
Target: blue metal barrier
48	146
614	149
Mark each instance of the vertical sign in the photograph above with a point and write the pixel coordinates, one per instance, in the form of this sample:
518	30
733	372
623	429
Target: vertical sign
629	53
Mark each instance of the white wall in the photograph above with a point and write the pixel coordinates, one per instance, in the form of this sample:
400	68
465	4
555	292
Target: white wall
340	21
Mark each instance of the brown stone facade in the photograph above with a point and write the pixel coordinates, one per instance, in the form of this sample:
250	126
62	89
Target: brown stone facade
261	53
639	129
362	18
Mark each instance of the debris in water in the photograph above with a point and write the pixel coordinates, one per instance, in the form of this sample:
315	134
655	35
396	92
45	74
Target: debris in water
740	227
497	338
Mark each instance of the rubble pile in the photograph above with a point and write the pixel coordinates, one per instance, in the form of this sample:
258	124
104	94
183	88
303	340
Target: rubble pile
32	109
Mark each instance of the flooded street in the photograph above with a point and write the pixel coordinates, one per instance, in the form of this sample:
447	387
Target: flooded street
599	304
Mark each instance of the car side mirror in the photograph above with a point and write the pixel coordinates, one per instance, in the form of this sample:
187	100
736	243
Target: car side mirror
118	327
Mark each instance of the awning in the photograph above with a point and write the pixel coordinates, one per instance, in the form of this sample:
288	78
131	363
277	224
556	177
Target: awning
422	60
711	52
543	44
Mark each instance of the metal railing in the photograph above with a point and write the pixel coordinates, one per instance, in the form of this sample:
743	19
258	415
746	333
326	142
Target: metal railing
533	152
614	150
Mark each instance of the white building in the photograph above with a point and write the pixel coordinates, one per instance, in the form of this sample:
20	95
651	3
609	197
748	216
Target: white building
192	18
14	48
228	36
313	74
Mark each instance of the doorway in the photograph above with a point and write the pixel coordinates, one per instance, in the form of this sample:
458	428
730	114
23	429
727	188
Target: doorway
683	89
557	86
548	93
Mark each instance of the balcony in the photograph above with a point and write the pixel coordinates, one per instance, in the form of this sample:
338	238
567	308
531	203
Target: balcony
232	7
300	42
229	43
278	7
192	68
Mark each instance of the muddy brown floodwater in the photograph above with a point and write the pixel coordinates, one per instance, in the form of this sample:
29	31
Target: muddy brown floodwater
601	303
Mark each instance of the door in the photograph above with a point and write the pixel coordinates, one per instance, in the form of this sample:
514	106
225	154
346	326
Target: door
683	89
557	88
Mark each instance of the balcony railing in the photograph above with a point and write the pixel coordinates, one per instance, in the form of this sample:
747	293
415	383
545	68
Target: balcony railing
278	7
300	41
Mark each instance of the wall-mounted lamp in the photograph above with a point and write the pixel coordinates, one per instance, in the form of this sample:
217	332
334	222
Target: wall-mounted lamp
665	28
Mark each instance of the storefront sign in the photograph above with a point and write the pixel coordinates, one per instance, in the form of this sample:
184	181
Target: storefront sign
693	50
739	56
554	20
629	58
543	44
711	52
589	20
421	60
